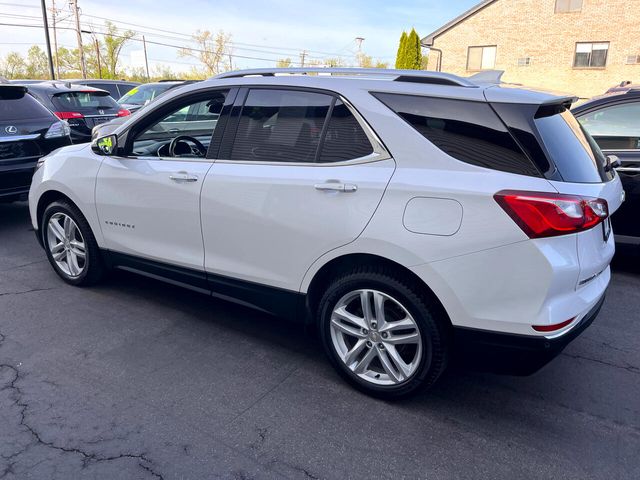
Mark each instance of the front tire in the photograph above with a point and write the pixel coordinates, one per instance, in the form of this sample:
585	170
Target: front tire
70	244
384	337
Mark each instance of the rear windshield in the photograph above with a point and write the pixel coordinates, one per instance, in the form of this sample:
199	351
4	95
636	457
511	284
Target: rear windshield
83	101
572	150
144	94
25	108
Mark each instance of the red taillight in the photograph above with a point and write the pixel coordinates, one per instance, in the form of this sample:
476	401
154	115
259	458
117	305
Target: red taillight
123	112
552	328
541	214
68	115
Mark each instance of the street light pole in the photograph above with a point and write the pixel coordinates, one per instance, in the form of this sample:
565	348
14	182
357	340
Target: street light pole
46	36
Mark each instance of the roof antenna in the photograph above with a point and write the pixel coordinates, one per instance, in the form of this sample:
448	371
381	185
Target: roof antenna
493	77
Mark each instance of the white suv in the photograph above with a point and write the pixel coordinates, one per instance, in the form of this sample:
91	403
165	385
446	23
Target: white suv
409	215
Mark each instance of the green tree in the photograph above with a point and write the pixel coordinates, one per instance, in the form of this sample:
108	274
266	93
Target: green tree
37	65
413	52
111	47
400	56
214	51
13	66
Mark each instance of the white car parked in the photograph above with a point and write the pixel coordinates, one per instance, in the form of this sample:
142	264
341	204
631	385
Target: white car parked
410	215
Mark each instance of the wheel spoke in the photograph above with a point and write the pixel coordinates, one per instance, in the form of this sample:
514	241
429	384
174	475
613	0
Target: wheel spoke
347	328
364	362
341	313
78	249
68	228
398	361
59	256
72	262
378	304
366	307
355	351
56	230
389	367
403	324
403	339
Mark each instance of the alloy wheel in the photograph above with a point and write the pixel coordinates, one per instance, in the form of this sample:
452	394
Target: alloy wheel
66	244
376	337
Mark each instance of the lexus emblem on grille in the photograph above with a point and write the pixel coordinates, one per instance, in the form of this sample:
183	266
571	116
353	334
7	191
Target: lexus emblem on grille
11	129
101	112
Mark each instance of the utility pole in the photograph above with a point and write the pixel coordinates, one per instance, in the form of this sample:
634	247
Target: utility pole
55	37
98	55
302	57
46	35
76	11
146	60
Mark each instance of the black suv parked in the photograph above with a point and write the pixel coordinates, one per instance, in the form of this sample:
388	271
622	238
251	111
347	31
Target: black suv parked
28	131
613	120
83	107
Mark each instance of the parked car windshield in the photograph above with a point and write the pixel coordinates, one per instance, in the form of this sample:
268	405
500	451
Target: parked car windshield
144	94
575	154
615	127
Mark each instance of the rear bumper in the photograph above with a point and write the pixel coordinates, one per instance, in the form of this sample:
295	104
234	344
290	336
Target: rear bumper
514	354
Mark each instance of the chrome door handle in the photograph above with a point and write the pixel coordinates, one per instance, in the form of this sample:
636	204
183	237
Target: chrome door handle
183	177
336	187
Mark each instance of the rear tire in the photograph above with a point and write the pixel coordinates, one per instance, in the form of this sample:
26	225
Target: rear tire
402	337
70	244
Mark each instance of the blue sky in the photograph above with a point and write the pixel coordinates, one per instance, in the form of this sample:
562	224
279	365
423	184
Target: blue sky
260	29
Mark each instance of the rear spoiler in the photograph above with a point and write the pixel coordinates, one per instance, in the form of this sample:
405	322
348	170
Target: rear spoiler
12	92
555	106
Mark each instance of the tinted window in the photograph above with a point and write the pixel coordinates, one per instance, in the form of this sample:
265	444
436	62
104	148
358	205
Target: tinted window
344	138
112	88
280	126
79	101
24	108
468	131
196	119
615	127
574	153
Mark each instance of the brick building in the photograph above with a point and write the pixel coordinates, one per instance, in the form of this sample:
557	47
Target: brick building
578	46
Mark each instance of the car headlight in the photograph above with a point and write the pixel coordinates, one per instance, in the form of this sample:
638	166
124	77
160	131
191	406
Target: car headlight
58	129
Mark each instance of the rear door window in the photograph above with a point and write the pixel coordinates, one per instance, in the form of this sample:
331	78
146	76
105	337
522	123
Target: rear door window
468	131
616	127
280	126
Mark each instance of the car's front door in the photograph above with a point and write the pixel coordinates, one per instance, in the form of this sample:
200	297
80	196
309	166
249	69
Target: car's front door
616	130
148	200
302	176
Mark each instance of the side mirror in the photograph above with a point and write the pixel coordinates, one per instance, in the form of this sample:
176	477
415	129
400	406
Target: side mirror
105	145
612	162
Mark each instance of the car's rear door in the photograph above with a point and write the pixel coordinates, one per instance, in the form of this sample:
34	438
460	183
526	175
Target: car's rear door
299	174
616	129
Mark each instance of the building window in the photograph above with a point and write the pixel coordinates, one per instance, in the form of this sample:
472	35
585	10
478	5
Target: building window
591	55
481	58
633	60
524	61
567	6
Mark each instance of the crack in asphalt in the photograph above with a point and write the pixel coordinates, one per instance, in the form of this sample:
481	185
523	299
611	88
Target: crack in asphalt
23	265
628	368
87	457
28	291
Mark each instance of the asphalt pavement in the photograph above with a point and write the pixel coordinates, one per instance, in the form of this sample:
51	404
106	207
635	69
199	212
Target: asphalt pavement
137	379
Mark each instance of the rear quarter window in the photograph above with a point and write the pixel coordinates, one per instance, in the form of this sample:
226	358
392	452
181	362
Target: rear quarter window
25	108
468	131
